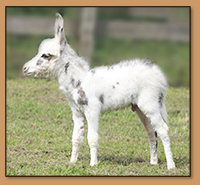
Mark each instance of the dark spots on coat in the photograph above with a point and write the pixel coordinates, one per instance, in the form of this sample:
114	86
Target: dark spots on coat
63	43
156	140
75	83
78	84
82	100
161	96
156	135
147	63
81	92
133	107
132	97
101	98
93	71
58	29
39	62
113	86
156	145
72	81
66	67
110	67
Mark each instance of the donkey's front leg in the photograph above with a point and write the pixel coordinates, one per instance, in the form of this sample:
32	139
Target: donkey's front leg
93	137
77	137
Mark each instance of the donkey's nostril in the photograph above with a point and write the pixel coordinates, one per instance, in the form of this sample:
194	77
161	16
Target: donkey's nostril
25	68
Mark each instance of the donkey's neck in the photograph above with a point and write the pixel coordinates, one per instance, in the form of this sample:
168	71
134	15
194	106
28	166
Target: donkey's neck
70	68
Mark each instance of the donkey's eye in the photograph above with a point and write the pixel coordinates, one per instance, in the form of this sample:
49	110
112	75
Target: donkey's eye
46	56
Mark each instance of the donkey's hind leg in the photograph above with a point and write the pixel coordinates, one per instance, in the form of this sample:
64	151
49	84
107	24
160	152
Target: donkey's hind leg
152	135
162	129
156	115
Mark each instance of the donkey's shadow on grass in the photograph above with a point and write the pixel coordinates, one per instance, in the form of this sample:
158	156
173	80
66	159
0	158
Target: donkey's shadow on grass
121	160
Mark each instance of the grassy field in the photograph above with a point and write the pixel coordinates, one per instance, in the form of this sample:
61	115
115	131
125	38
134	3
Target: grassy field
39	130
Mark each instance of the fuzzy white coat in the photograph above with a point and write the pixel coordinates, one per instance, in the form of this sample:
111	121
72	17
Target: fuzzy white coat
136	83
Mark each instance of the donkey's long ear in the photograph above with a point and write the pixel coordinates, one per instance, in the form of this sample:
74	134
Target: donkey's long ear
59	30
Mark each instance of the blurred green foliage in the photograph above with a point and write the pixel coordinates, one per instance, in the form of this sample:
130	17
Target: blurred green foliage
42	11
103	13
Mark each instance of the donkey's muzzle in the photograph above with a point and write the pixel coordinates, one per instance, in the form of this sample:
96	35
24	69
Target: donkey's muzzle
25	71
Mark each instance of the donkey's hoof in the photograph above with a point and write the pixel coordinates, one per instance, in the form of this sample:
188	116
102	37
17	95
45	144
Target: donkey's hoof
93	163
73	161
171	166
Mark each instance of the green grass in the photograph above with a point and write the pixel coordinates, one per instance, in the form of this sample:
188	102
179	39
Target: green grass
39	129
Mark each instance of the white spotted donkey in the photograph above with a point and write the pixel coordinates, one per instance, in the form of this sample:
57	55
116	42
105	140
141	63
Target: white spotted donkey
136	83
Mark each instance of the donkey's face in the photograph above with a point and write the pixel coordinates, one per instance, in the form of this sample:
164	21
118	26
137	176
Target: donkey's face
48	53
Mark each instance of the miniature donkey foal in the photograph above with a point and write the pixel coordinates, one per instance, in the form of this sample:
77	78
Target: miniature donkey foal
136	83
